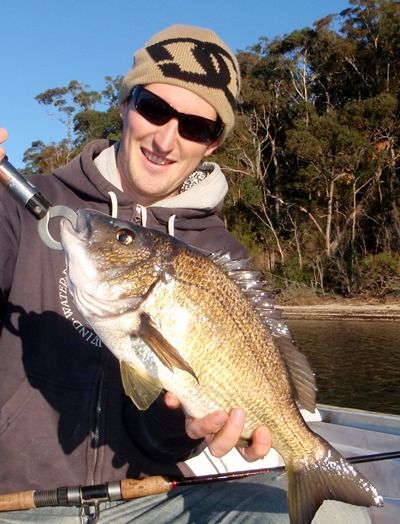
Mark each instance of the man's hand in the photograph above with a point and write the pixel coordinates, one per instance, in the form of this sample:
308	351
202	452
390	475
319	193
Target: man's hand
3	138
222	432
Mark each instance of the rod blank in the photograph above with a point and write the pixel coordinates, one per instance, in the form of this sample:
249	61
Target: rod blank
128	489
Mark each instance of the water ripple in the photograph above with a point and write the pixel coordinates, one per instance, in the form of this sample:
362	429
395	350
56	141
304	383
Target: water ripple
357	363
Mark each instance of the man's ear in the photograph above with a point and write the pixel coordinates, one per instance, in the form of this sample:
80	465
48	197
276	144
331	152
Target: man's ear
212	147
123	109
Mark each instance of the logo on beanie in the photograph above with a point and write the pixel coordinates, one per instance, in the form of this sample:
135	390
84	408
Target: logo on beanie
215	61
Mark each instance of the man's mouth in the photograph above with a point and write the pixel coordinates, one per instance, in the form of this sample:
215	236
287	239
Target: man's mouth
156	159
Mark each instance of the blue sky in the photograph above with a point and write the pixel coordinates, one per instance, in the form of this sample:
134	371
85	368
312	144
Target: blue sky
47	43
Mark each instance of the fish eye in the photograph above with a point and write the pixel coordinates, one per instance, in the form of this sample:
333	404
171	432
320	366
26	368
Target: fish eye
124	236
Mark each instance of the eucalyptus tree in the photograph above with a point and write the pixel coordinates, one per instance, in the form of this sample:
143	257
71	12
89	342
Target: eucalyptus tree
316	156
85	113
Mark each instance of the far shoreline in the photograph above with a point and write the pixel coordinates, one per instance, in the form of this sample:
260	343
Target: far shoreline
341	310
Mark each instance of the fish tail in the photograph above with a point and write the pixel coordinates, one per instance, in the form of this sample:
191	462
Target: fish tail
331	477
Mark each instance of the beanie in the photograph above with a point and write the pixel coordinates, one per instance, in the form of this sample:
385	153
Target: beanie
193	58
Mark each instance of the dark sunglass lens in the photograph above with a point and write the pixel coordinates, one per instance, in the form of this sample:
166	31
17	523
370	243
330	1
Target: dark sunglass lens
152	108
198	128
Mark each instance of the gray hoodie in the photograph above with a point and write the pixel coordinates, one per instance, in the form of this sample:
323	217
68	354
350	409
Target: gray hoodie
64	418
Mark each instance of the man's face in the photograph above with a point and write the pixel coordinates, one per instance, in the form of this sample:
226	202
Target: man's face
154	161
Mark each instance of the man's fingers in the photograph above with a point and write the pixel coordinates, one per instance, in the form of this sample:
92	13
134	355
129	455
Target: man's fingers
221	443
222	431
201	427
207	426
171	400
3	138
260	445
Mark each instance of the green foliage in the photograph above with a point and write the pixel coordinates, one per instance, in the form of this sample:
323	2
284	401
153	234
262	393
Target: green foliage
380	275
244	231
91	124
322	111
290	272
42	158
78	109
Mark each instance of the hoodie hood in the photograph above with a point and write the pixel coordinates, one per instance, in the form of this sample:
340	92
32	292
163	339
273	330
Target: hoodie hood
205	189
82	176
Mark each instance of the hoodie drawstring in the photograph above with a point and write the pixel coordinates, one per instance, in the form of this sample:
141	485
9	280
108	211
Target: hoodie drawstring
114	204
171	225
142	212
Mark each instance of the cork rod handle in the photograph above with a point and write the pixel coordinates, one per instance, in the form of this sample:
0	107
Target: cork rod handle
132	489
17	501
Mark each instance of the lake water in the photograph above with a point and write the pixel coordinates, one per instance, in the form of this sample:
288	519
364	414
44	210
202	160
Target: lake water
357	363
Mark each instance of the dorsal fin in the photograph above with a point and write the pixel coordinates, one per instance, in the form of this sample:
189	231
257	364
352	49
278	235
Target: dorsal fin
249	281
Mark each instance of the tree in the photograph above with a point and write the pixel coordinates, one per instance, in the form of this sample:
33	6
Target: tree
42	158
78	109
316	158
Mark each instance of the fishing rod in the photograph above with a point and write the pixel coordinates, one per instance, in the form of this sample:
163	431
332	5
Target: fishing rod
25	193
129	489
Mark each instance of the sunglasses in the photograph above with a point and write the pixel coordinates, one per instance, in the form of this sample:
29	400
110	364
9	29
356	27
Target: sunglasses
159	112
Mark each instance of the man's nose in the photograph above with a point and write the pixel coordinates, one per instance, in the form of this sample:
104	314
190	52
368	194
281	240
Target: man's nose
167	134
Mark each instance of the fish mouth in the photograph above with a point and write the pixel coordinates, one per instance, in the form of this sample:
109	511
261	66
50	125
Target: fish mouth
87	221
69	233
81	271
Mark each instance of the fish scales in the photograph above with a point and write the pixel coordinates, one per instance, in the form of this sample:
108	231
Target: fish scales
177	321
237	342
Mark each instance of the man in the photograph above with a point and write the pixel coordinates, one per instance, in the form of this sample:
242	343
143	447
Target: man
65	420
74	425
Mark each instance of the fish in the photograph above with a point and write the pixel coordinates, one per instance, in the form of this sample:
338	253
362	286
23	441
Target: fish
203	328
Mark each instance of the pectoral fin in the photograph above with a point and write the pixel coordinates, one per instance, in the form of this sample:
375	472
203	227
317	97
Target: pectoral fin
168	355
140	387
